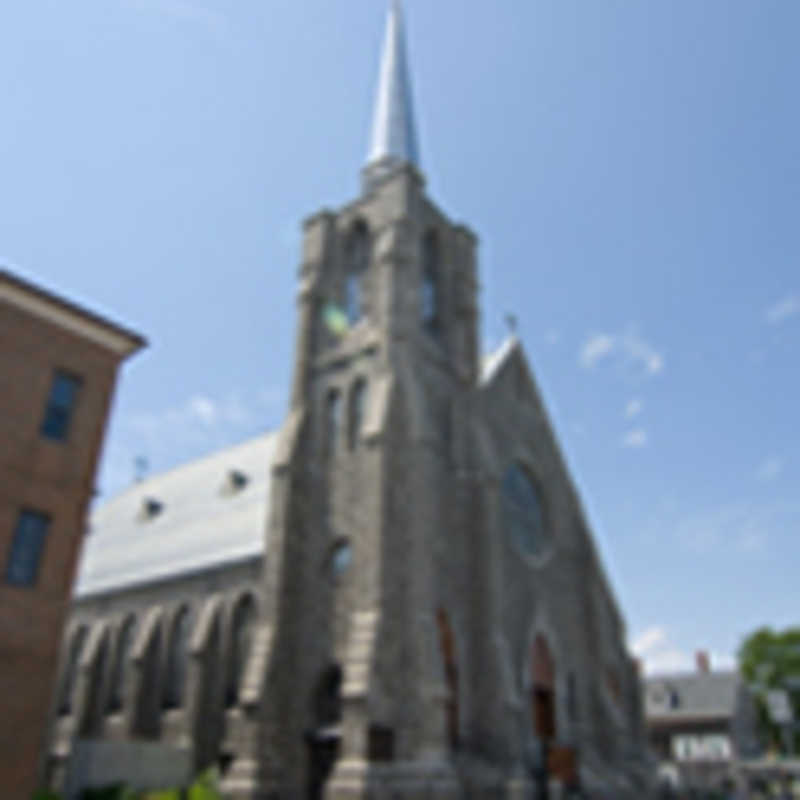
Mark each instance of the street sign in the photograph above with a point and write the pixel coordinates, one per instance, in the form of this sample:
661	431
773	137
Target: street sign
779	707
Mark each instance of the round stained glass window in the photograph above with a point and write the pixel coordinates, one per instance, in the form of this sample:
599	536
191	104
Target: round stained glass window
341	558
522	512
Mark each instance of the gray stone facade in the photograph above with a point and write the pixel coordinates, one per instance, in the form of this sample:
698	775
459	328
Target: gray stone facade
431	608
203	721
417	495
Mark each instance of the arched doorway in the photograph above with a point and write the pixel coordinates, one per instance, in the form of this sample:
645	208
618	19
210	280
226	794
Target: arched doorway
447	643
543	708
323	738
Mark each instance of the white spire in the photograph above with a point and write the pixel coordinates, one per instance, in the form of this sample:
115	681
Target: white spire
394	137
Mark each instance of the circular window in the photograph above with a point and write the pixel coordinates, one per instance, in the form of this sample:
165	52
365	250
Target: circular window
522	512
341	558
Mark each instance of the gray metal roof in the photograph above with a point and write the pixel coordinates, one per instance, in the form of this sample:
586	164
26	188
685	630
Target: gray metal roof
212	510
692	695
394	136
193	517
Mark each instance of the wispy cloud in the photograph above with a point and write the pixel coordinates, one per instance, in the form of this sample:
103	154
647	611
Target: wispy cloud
629	347
595	348
740	526
200	424
660	654
633	408
649	639
194	418
203	409
552	336
769	469
642	353
783	309
635	438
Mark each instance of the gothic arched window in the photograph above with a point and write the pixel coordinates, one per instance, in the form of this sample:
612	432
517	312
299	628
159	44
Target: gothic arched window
116	692
333	413
358	399
430	299
71	670
244	617
357	255
98	683
177	660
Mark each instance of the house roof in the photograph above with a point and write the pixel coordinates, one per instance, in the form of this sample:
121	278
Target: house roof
202	514
691	696
57	310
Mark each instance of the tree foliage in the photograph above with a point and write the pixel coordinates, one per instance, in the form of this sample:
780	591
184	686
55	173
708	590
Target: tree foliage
770	659
204	787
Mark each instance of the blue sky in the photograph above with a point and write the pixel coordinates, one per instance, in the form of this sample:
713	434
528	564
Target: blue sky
631	169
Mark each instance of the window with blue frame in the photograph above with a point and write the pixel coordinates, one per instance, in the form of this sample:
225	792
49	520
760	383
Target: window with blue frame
27	547
60	405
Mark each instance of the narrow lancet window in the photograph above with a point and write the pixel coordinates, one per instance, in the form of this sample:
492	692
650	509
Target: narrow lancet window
244	618
177	660
357	262
358	397
333	413
431	285
116	696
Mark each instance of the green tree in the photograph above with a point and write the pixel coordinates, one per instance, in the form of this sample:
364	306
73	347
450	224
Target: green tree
205	786
770	659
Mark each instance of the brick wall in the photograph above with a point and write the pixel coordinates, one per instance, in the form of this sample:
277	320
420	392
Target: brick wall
55	478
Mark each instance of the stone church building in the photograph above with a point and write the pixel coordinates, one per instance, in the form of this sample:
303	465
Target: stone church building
396	595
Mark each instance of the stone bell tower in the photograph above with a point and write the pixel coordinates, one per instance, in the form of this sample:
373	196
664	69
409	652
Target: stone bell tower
347	691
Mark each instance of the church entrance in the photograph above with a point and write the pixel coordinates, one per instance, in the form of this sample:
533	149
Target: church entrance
543	710
323	738
448	648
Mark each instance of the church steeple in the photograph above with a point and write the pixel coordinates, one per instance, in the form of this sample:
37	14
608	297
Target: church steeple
394	136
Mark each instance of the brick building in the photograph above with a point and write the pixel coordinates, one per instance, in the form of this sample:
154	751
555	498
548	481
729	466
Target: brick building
58	365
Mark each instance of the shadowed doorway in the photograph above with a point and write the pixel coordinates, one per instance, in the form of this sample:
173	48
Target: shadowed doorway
323	738
448	649
543	691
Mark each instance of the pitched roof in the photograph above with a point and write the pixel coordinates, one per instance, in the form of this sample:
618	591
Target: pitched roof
202	514
192	517
49	306
691	696
492	362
